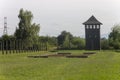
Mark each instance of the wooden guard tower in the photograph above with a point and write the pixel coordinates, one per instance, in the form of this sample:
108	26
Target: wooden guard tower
92	33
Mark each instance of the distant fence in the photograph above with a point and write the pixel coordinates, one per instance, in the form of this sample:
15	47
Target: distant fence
17	46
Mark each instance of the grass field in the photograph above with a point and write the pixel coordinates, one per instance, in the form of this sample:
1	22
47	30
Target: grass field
105	65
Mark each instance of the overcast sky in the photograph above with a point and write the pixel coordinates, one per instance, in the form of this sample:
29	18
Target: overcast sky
55	16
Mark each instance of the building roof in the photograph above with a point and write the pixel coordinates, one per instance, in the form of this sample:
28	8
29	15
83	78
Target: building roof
92	20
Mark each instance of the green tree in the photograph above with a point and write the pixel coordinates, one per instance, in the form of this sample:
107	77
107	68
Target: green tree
104	43
27	31
66	43
78	43
63	38
51	41
114	37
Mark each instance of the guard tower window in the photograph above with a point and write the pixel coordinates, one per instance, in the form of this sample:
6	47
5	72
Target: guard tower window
87	27
97	26
90	26
93	26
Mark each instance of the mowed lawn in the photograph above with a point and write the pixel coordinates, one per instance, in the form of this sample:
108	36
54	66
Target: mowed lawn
105	65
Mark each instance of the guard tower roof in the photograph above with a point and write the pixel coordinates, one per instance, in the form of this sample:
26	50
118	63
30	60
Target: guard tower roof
92	20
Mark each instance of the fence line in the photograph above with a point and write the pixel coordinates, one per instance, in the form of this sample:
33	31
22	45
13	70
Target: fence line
17	46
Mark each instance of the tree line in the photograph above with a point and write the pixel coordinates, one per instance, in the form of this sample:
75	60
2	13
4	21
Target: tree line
67	41
27	34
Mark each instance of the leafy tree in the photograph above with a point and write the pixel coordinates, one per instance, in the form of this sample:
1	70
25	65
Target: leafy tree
5	37
50	41
114	37
66	43
43	39
78	43
63	37
27	31
104	43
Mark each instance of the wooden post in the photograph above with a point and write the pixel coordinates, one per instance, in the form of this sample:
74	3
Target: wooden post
33	49
41	46
46	46
19	45
6	41
10	46
2	46
22	46
37	47
13	46
16	45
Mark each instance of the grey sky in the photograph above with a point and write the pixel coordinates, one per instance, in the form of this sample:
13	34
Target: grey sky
55	16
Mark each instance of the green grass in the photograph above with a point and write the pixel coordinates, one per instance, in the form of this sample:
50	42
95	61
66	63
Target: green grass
105	65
